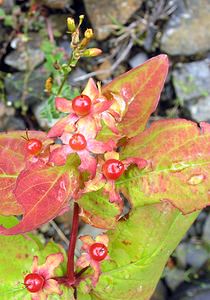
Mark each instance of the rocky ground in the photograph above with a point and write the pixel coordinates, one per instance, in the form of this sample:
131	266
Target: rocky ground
129	32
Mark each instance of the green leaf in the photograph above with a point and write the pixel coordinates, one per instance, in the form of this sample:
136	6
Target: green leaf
98	211
177	175
16	258
2	13
139	248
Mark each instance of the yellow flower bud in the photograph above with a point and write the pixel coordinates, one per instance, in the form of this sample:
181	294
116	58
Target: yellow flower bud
48	85
88	33
71	25
92	52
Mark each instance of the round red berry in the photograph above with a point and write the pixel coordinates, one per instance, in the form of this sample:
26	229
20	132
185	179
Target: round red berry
34	282
113	169
77	142
34	146
81	105
98	251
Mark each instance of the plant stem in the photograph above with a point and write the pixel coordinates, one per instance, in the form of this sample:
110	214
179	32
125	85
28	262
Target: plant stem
72	244
71	63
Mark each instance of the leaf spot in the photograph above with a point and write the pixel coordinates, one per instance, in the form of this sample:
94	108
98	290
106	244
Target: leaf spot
178	166
196	179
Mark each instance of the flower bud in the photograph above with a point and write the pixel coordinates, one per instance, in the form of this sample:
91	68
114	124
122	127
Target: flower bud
92	52
88	33
71	25
48	85
81	18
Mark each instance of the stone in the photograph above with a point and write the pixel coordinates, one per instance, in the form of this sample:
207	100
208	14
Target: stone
198	290
160	292
44	123
7	6
12	123
22	60
192	87
196	256
102	12
58	23
206	231
192	80
35	87
187	31
3	34
181	254
55	4
174	277
138	59
200	111
75	75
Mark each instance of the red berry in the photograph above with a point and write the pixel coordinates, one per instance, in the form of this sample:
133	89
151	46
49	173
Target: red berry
81	105
98	251
113	169
77	142
34	282
34	146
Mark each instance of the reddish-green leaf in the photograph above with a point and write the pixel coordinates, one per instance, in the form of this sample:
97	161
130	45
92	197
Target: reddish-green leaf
178	154
140	88
12	162
44	192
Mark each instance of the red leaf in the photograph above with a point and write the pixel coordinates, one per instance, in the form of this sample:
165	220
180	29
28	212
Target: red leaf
12	162
178	155
44	192
140	88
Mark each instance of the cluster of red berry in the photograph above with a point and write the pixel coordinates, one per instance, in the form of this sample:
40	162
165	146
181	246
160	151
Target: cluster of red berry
112	168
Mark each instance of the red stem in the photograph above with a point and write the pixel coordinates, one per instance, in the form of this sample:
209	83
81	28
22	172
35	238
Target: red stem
72	244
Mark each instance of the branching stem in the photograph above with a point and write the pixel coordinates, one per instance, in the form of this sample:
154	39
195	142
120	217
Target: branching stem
72	244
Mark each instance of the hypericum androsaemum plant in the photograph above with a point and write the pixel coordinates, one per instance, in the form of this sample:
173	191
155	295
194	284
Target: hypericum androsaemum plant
96	156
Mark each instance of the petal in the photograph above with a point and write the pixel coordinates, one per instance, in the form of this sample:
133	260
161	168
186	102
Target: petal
52	287
38	296
111	155
98	147
94	184
91	89
66	122
103	238
87	239
52	262
97	119
35	268
83	261
110	122
88	162
97	271
71	126
119	106
66	137
87	127
63	105
58	156
140	162
114	196
101	105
